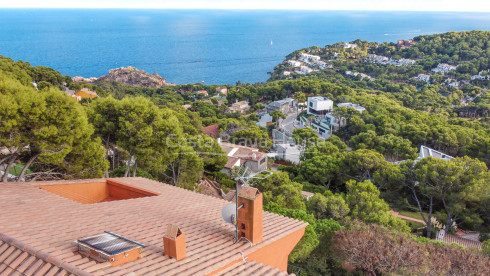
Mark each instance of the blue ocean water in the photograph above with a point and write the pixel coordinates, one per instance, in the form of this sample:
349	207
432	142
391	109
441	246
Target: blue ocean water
210	46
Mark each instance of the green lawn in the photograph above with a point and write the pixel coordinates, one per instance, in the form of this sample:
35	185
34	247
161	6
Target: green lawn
415	215
16	169
412	214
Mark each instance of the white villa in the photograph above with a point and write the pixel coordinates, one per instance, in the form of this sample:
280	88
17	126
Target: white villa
319	105
352	105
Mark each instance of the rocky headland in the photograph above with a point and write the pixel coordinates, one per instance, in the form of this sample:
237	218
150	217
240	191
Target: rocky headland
130	76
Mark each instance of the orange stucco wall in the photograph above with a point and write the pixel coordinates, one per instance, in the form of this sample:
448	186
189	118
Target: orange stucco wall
275	254
87	193
123	191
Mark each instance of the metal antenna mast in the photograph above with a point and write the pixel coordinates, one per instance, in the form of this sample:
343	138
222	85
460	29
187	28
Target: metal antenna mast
243	176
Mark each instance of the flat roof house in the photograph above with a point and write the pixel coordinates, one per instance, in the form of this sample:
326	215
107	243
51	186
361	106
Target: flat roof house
241	106
352	105
281	105
67	227
319	105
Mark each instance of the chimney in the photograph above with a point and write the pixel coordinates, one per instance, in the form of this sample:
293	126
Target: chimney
249	218
174	242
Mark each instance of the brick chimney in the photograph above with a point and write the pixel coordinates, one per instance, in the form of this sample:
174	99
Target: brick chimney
249	217
174	242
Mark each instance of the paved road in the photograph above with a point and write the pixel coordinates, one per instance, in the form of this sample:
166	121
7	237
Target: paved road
288	123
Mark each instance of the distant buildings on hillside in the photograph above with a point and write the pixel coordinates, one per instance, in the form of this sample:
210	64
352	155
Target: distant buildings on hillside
443	68
373	58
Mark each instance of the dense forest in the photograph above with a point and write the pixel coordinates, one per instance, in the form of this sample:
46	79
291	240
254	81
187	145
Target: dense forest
135	131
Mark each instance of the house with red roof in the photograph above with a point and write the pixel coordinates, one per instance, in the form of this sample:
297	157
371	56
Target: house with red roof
212	131
238	155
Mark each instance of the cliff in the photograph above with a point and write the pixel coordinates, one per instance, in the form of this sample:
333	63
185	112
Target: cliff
130	76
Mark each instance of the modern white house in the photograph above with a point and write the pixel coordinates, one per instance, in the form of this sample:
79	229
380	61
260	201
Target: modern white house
289	152
283	105
319	105
352	105
426	152
324	126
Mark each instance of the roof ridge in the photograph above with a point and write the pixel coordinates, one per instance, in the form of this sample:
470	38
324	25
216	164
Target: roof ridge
39	254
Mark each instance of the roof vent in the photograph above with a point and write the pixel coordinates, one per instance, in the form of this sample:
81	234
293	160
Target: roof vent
254	155
174	242
110	247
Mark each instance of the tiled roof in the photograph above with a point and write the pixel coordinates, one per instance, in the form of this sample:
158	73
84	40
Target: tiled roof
17	258
212	130
251	268
230	196
51	223
448	238
231	162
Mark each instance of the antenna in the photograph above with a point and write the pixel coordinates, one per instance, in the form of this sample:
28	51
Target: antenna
242	176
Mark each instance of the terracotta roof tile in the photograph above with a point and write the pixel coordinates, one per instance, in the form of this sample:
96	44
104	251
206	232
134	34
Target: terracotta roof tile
251	268
212	130
46	225
448	238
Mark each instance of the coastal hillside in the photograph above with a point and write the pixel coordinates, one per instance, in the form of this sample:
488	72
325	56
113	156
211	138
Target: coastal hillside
441	69
130	76
397	160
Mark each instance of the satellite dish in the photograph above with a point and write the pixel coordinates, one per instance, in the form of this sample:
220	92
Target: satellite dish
229	213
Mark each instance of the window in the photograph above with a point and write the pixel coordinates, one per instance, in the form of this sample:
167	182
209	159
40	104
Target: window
262	161
243	225
311	104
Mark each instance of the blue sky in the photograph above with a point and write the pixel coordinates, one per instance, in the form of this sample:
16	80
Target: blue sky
403	5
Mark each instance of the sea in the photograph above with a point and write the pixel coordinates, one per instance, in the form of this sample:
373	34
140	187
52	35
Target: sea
201	46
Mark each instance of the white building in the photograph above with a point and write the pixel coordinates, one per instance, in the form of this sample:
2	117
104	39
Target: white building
426	152
288	152
349	45
307	58
319	105
406	61
304	70
480	76
363	76
452	83
294	63
264	120
424	77
352	105
378	59
286	73
325	125
444	68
